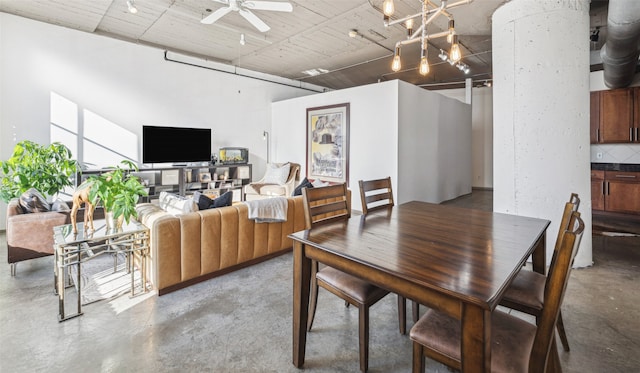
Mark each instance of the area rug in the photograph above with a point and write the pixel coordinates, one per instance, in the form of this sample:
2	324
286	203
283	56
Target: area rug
99	281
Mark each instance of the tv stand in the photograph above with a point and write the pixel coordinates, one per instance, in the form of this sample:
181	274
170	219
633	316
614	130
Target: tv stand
184	180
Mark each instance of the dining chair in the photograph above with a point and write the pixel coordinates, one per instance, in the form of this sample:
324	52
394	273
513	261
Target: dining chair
526	292
377	195
330	204
516	345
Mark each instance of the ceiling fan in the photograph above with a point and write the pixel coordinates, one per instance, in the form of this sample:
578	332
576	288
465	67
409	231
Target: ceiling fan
244	7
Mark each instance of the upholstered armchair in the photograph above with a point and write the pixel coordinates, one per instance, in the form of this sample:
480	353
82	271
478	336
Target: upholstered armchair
268	187
30	236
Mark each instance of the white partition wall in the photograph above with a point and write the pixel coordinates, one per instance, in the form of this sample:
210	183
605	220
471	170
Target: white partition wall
421	139
541	112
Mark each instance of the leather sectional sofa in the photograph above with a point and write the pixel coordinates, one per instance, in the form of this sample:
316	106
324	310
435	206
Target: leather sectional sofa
196	246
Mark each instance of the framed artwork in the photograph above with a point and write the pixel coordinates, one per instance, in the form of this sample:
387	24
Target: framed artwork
328	143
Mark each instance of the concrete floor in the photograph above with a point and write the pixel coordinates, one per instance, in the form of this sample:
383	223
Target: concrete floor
241	322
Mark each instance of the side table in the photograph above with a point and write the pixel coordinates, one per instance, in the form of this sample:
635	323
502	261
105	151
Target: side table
74	249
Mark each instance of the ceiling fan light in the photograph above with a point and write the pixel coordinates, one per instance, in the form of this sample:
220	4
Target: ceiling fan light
132	7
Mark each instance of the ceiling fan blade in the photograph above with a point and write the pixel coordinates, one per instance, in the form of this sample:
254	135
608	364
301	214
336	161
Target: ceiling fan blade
255	21
211	18
269	5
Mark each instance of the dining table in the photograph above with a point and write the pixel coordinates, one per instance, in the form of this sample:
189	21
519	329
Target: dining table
455	260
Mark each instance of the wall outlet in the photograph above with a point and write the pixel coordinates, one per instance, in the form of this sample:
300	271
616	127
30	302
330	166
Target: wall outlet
599	155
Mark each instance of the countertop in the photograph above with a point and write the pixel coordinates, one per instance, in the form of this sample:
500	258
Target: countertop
628	167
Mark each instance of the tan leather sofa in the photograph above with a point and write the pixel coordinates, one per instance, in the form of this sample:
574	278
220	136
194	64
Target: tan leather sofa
30	236
193	247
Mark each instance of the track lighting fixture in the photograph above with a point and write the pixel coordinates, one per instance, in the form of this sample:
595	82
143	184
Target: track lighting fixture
430	11
131	5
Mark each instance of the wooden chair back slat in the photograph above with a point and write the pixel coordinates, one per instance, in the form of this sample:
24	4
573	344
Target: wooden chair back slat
326	204
375	194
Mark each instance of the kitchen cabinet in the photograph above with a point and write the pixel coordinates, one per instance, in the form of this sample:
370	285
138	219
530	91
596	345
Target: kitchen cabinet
597	190
594	119
615	191
616	116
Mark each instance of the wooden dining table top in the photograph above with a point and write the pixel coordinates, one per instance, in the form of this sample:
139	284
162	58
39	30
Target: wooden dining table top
455	260
469	254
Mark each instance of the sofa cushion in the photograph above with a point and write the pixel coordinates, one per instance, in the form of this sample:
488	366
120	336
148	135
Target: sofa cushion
32	201
277	173
205	202
304	184
175	204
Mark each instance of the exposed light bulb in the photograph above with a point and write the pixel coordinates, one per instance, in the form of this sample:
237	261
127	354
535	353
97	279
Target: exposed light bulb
454	54
452	31
396	65
388	8
132	7
424	66
409	25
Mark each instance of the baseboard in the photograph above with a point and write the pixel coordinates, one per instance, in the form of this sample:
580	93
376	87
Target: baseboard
485	189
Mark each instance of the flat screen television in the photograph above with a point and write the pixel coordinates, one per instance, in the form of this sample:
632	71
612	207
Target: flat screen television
175	144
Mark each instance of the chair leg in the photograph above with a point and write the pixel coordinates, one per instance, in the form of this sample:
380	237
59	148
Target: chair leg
364	337
313	297
12	266
402	314
561	332
416	311
418	358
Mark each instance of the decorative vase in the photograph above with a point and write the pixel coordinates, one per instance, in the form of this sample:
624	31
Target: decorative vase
112	223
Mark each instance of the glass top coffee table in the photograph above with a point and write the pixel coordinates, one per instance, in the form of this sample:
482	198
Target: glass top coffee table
71	250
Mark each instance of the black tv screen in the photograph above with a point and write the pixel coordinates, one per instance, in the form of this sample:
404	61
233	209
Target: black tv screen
175	144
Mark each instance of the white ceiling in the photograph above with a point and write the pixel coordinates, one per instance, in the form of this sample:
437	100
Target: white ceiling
314	36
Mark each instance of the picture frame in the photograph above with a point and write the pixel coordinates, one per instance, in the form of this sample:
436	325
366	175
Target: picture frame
328	143
204	177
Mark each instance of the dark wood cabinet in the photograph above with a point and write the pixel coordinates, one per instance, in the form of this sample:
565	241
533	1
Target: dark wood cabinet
623	192
615	191
594	119
616	113
597	190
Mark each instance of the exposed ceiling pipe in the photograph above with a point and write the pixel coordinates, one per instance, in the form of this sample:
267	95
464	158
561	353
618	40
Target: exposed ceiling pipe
620	52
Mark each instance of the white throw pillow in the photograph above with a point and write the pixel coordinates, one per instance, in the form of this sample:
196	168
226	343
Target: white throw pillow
277	173
175	204
317	183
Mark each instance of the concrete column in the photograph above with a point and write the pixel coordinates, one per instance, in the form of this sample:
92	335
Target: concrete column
541	112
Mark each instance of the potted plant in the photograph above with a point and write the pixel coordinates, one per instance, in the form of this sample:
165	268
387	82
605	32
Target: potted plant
47	168
118	191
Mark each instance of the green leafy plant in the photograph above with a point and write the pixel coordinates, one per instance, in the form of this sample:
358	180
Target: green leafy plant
47	168
118	190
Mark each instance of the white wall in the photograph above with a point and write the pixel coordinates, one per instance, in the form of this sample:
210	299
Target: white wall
613	153
393	132
127	84
482	133
434	160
